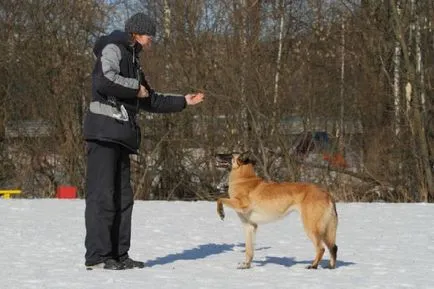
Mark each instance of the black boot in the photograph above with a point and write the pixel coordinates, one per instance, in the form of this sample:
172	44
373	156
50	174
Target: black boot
130	264
109	264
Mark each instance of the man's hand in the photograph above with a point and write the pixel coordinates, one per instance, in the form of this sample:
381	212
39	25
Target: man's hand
194	98
143	92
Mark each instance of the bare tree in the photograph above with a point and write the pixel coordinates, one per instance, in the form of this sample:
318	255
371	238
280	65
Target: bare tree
338	92
46	66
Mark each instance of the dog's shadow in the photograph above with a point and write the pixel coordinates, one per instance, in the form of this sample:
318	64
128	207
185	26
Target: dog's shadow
199	252
206	250
290	261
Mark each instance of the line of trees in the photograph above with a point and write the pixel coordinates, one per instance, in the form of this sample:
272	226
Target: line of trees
276	73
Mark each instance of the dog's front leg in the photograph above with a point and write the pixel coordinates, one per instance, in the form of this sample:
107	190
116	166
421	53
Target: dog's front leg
250	233
220	209
234	203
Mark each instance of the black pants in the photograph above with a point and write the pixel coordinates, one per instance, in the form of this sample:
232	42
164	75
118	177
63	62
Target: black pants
109	202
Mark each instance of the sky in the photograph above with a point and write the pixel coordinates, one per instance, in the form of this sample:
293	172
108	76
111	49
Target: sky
186	245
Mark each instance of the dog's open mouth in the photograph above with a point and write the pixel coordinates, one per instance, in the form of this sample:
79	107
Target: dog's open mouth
223	161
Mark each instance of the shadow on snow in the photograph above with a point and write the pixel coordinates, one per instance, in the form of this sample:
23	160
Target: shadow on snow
290	261
206	250
199	252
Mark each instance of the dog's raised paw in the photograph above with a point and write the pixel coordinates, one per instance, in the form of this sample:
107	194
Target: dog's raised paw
221	212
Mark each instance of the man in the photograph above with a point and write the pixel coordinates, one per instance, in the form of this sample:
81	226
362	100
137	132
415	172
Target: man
119	91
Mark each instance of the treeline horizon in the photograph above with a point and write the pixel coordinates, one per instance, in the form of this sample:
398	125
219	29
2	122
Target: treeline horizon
334	92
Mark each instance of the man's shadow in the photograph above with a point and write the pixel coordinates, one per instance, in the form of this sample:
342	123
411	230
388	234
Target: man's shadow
200	252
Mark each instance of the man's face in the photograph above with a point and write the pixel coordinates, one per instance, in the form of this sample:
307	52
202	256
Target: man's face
144	40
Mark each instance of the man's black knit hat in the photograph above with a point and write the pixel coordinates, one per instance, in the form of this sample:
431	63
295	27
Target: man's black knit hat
140	23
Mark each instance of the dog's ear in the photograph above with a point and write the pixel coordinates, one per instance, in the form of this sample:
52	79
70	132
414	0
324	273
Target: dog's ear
244	156
247	158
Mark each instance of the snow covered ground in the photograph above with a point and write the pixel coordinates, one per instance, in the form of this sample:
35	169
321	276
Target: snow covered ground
185	245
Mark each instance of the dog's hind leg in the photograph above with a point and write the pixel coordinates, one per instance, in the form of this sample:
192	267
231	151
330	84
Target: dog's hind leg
316	235
250	233
317	242
333	249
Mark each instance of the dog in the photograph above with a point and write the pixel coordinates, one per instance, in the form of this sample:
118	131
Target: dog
257	201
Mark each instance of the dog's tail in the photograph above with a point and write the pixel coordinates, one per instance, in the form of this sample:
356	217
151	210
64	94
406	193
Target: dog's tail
331	222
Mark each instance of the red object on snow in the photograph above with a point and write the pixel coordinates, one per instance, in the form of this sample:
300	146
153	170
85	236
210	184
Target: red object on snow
66	192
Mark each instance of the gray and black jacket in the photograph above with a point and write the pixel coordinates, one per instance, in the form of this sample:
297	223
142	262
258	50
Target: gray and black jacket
116	80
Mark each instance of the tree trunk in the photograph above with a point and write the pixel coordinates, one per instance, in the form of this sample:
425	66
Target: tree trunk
396	83
340	132
243	51
275	113
417	128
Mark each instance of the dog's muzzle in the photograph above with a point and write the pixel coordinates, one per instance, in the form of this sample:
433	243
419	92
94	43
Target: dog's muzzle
223	161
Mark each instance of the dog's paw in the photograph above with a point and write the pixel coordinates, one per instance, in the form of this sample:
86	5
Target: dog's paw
243	266
221	214
311	267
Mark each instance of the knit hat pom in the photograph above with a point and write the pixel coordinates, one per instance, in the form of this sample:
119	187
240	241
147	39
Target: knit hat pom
141	24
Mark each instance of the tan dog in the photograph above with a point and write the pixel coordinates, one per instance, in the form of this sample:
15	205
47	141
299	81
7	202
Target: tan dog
257	201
